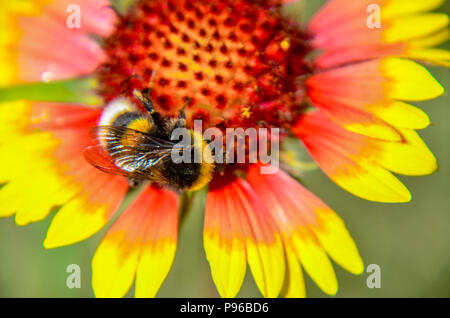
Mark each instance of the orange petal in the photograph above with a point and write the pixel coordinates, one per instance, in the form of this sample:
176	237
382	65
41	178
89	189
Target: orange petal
308	225
224	243
242	220
142	242
159	242
349	159
345	34
46	45
98	194
53	156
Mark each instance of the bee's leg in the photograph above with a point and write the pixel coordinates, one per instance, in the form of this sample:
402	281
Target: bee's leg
134	183
181	120
144	97
182	114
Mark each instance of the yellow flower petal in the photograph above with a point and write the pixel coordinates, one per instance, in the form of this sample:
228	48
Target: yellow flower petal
371	182
379	131
411	157
75	221
431	40
402	115
406	28
224	245
25	165
349	159
394	8
158	246
265	250
141	243
228	263
10	34
154	265
337	242
315	261
409	81
114	266
14	119
267	264
236	218
309	229
295	284
436	56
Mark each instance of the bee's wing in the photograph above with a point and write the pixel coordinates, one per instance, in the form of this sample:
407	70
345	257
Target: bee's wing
97	157
122	136
130	152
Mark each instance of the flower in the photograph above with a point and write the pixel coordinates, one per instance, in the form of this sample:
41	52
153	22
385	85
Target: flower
234	63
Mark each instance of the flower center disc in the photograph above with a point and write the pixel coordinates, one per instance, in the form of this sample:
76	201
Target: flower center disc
232	63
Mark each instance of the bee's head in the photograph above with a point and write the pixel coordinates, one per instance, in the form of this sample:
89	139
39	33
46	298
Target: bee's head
191	164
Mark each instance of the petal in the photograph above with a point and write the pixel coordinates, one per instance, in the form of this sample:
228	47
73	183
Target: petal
97	16
360	96
22	157
50	150
87	213
10	33
249	225
116	259
224	243
142	242
344	55
13	119
402	115
311	227
315	261
343	31
432	40
410	157
264	248
437	56
41	56
403	29
405	7
349	159
338	10
346	94
353	118
99	194
159	243
42	44
409	81
295	283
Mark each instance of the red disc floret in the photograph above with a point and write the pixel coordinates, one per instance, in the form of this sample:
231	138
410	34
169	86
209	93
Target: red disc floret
231	63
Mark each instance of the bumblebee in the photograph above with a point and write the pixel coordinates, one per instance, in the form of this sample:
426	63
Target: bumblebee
138	145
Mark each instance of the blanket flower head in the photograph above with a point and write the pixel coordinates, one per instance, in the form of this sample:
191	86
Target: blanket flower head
341	85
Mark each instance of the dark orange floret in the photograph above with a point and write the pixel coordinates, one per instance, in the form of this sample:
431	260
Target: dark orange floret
232	63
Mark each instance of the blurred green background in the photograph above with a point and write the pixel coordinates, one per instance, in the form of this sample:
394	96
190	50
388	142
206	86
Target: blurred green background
410	242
